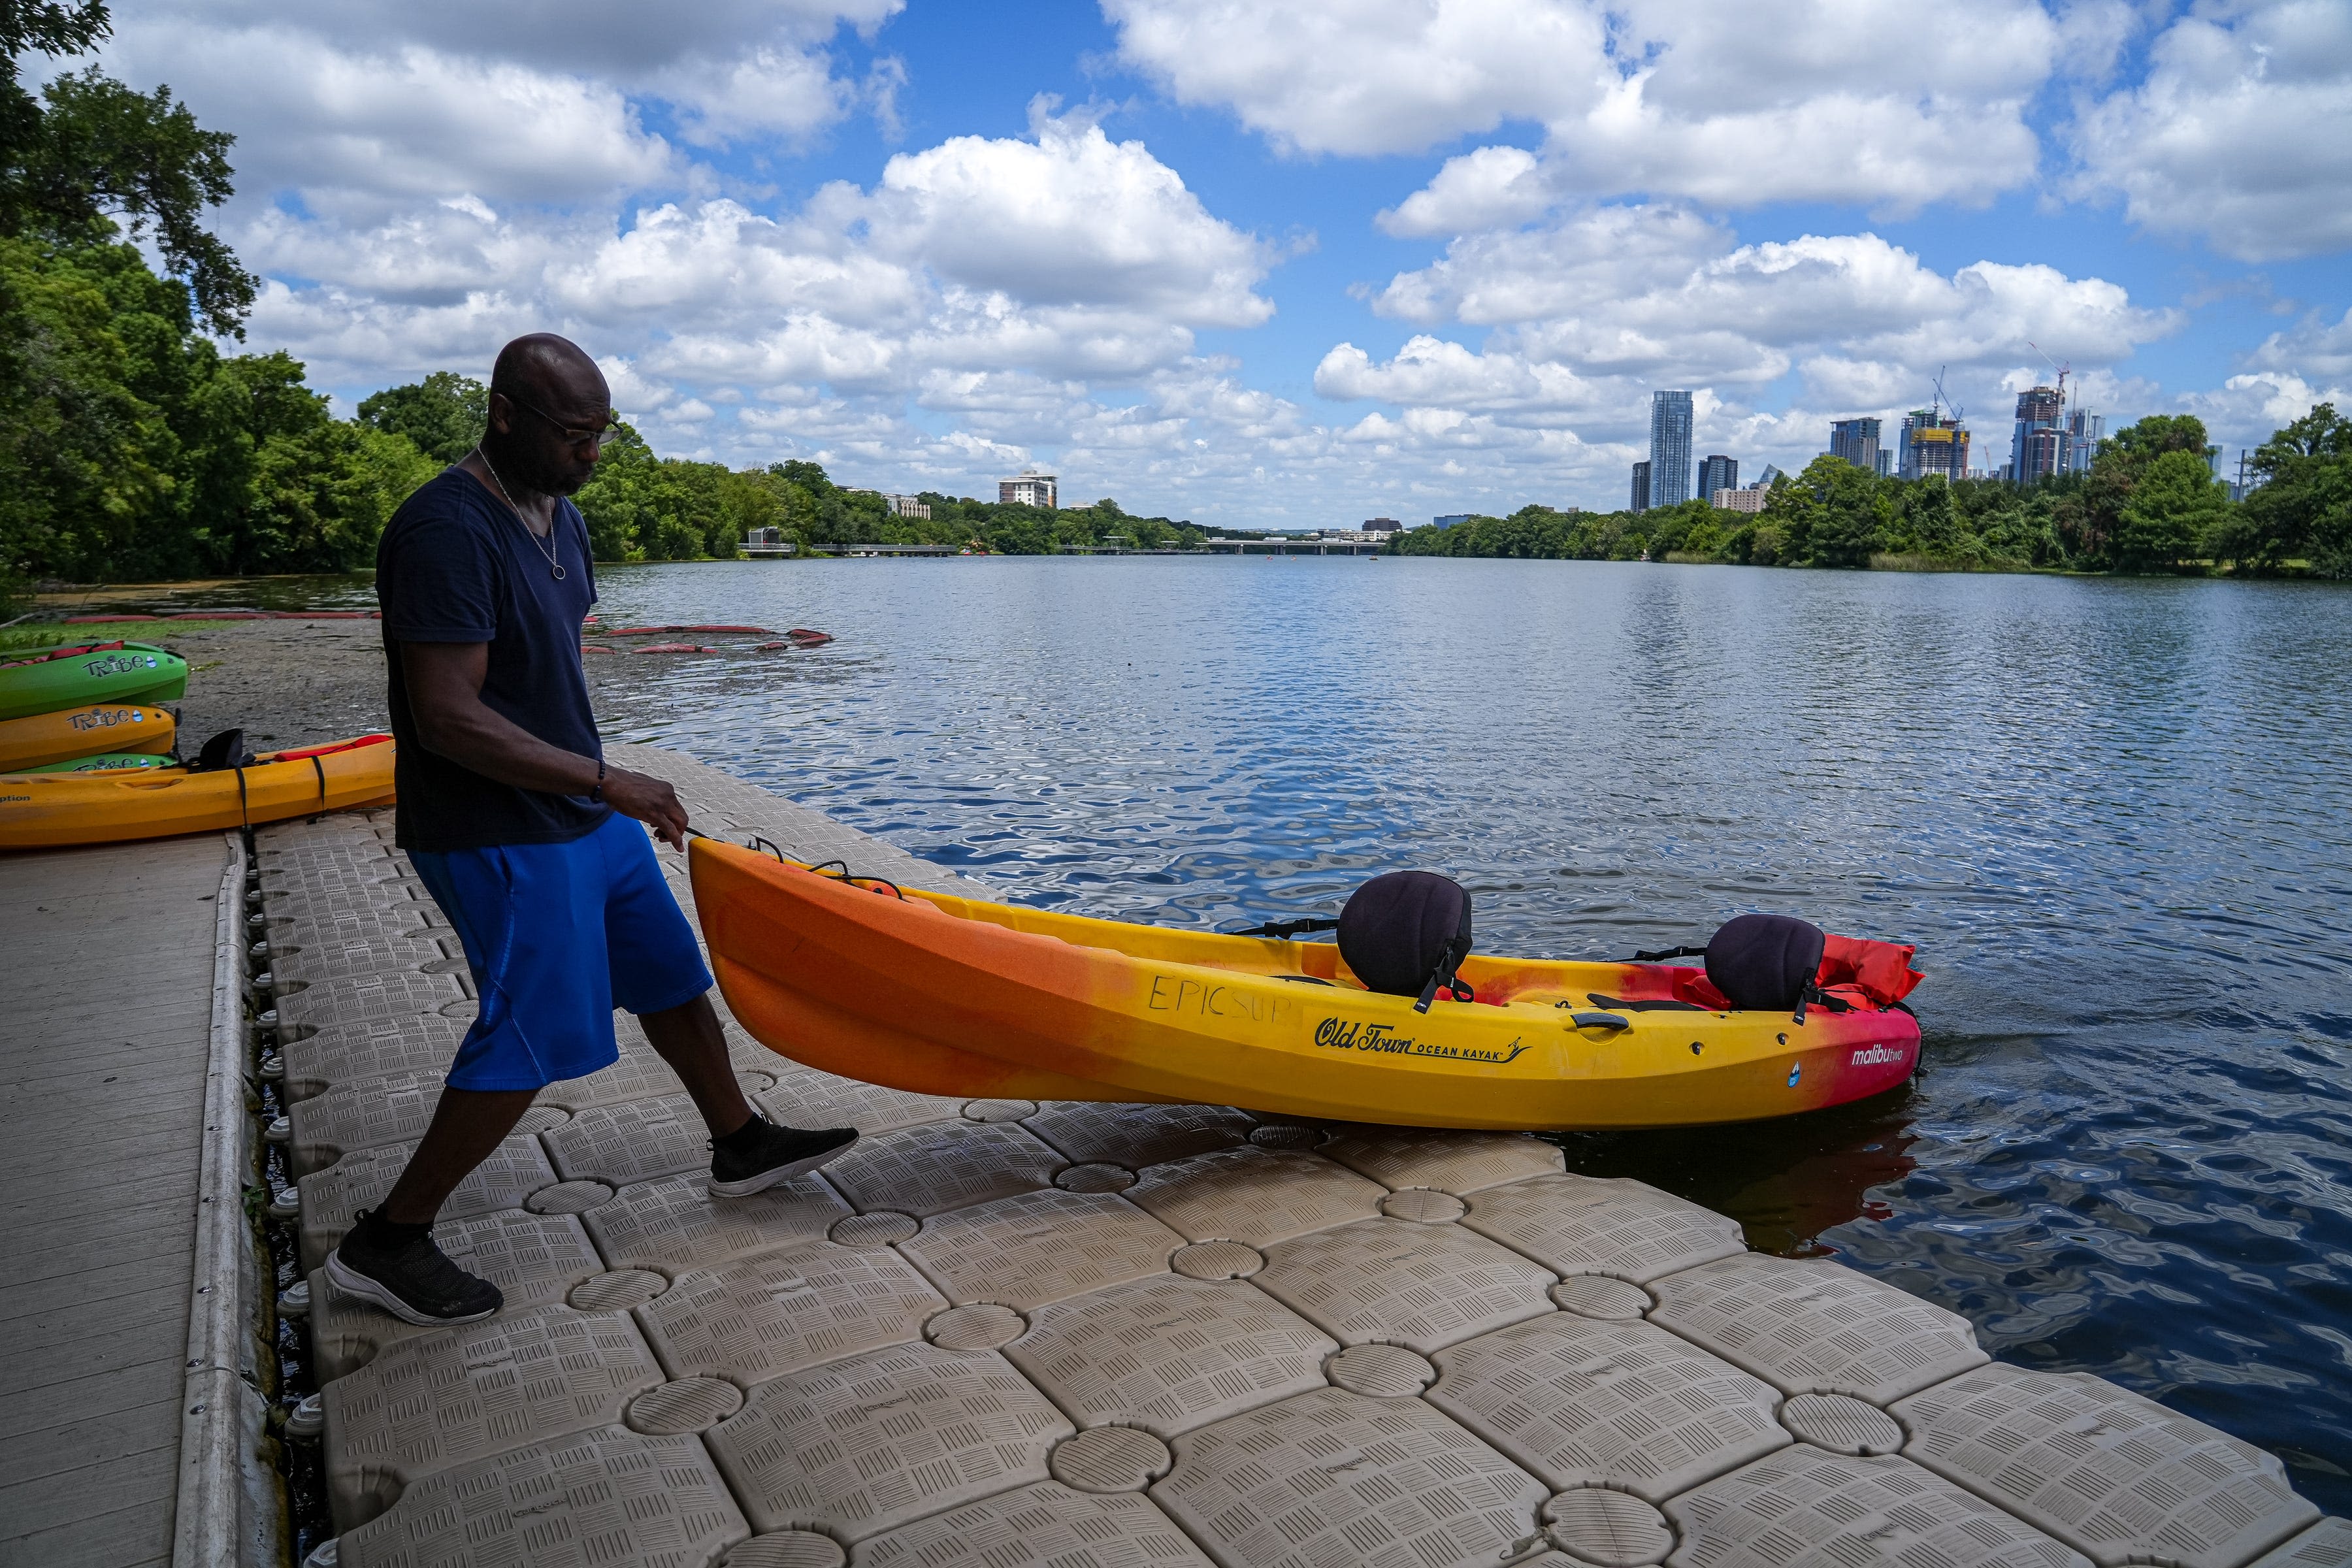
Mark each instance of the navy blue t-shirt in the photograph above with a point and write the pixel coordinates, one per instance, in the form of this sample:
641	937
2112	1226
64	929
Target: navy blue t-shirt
457	566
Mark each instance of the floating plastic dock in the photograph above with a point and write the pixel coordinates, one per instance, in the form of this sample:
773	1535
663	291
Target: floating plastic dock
1001	1335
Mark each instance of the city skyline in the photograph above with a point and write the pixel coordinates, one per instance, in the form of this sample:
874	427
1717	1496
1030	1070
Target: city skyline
1269	267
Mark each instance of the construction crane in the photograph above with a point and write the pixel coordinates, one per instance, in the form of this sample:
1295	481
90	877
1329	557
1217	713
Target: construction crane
1937	413
2062	370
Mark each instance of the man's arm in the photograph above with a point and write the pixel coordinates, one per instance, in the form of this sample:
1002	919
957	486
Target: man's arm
444	695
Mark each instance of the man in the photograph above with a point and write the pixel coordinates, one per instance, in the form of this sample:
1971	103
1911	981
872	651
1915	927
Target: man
521	832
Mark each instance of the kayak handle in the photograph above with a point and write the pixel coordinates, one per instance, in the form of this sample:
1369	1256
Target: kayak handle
1598	1021
824	868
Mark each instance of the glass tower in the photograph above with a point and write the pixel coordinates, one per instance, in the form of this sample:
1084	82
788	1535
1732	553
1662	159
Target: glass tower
2038	448
1670	448
1855	441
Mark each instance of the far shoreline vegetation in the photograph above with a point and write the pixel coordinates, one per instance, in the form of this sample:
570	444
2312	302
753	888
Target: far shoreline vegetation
137	446
2149	505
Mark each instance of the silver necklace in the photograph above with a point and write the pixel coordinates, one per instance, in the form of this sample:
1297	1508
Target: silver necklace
545	546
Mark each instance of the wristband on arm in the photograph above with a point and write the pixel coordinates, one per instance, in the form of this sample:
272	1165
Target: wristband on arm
597	793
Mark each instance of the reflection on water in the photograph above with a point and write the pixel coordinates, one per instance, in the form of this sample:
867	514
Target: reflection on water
1786	1182
2113	814
340	591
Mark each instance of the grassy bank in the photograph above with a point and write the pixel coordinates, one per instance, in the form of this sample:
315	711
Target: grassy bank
35	635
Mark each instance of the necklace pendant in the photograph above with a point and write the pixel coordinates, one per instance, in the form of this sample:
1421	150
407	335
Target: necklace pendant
556	567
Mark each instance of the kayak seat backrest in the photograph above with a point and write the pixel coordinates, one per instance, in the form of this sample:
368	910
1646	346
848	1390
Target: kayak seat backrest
1403	932
1764	961
223	752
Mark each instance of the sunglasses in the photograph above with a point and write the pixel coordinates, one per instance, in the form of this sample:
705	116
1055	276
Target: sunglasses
602	437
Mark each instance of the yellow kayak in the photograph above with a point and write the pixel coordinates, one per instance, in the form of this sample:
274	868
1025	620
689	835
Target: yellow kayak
70	732
39	811
949	995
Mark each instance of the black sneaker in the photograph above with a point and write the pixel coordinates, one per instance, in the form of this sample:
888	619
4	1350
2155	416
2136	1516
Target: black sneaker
412	1280
780	1155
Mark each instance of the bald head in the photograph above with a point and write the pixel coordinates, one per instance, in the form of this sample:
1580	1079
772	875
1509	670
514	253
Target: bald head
546	394
542	368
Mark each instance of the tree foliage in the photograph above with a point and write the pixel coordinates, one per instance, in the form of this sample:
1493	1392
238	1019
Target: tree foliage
2104	526
2303	511
2149	504
2173	507
128	445
134	448
442	416
643	508
91	152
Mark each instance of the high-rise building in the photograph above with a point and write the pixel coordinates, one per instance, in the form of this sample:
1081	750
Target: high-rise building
1029	490
2038	448
1855	441
1934	444
1670	448
1748	500
2084	431
902	506
1641	487
1718	473
1450	518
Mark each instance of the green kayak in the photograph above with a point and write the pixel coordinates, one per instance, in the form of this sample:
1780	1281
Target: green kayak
97	673
104	762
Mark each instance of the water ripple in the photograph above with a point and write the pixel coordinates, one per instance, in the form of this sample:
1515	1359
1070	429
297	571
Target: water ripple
2110	814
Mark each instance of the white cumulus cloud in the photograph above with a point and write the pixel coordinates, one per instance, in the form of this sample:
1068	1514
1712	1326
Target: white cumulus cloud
420	181
1733	102
1590	312
1367	76
2240	134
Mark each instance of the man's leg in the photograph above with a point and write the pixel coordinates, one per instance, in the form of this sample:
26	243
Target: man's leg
545	1014
388	1257
748	1153
467	1127
657	972
690	1039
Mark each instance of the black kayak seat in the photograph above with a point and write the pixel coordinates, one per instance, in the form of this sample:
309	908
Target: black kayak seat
1406	932
1764	961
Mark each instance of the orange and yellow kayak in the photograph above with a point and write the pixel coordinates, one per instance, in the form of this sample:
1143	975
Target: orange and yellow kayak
39	811
40	739
942	995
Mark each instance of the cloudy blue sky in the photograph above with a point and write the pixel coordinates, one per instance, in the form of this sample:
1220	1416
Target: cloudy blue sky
1276	264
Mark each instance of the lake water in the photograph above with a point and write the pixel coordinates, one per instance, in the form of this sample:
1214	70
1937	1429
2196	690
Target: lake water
2115	815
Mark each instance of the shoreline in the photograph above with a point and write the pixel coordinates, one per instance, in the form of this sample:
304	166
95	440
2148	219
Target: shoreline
92	597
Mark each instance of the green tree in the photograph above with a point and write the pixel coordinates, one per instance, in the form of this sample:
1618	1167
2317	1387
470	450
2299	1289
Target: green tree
86	462
1833	514
90	151
617	504
752	500
2089	512
2304	509
640	507
442	416
2174	504
280	485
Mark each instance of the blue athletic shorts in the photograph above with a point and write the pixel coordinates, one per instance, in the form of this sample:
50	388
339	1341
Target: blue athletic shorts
557	935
